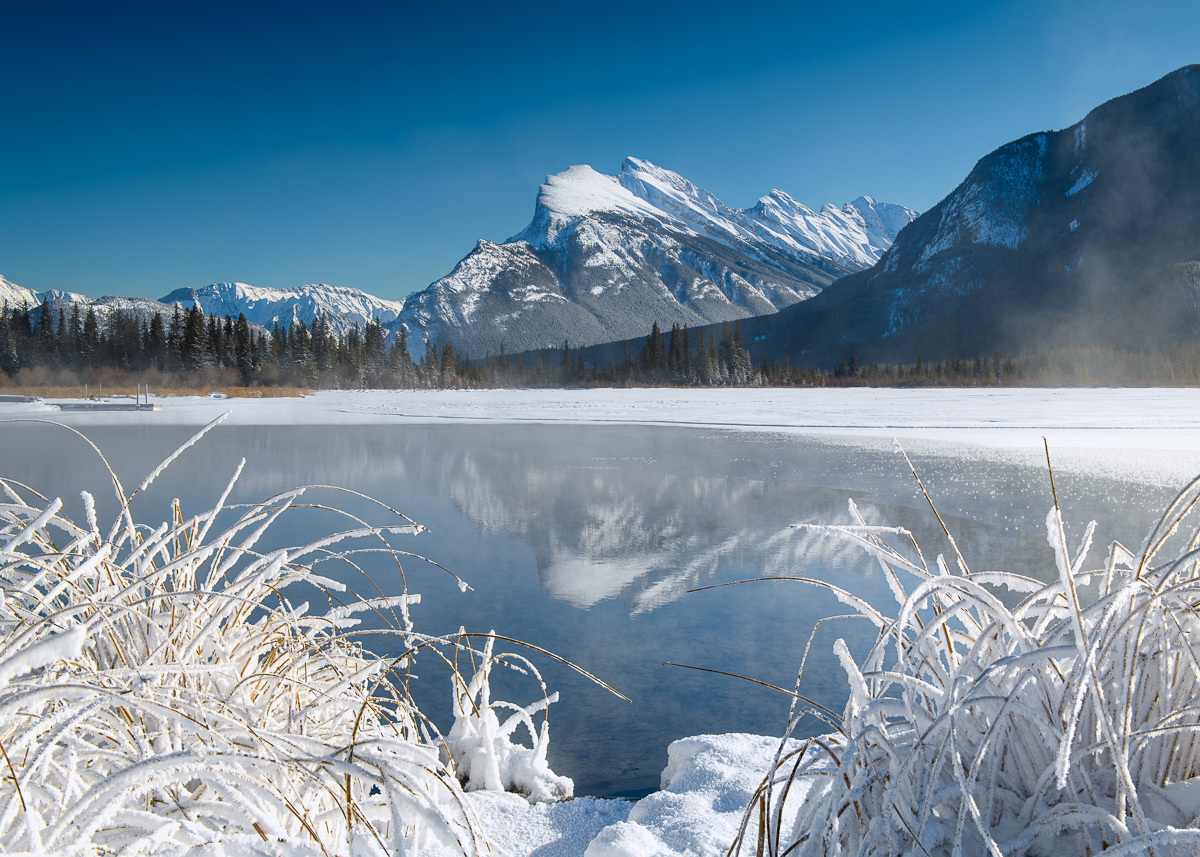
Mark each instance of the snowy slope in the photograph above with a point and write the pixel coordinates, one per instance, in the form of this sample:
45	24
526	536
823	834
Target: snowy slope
15	295
605	256
855	234
344	307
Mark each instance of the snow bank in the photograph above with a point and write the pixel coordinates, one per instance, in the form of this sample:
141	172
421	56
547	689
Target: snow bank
706	786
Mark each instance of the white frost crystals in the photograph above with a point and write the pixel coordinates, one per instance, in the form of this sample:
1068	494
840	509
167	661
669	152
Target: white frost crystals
161	694
484	754
1001	714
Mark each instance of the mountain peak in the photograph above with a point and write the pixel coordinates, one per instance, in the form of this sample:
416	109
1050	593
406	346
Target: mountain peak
578	191
605	255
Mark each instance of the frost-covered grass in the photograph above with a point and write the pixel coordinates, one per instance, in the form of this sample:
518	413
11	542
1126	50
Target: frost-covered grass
160	692
999	714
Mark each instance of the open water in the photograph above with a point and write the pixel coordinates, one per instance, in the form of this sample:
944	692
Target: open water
585	540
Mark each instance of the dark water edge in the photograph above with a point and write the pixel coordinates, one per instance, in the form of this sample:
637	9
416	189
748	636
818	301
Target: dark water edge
585	539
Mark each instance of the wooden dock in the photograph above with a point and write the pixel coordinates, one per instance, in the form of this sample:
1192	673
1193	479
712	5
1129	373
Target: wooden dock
109	406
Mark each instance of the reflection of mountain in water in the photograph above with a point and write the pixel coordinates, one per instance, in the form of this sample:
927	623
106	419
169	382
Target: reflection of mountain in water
644	514
627	528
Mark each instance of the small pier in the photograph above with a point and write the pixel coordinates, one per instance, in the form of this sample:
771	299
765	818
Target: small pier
109	406
99	403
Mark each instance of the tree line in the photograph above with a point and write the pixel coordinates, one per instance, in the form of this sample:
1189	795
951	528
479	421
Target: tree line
60	345
668	359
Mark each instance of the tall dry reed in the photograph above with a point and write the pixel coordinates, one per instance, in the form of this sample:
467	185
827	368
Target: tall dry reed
161	692
999	714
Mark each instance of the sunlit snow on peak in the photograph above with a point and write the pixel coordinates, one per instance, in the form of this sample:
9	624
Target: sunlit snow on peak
855	234
575	193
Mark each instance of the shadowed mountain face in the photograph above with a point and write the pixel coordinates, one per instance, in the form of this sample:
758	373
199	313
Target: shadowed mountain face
606	256
1062	237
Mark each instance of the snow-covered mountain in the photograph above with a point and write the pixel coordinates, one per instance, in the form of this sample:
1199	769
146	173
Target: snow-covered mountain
1087	235
605	256
344	307
16	296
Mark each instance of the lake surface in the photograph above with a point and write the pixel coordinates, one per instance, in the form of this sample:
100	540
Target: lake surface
585	540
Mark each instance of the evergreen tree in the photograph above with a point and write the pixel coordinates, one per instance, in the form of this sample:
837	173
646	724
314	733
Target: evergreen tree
675	358
43	337
323	345
90	350
156	343
403	370
243	347
430	366
564	366
173	359
686	370
301	345
195	350
654	355
703	366
228	357
8	348
374	352
74	338
449	367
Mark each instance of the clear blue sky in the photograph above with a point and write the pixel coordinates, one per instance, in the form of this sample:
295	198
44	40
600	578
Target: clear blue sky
148	146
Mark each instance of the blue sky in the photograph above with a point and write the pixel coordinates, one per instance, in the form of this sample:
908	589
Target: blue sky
149	146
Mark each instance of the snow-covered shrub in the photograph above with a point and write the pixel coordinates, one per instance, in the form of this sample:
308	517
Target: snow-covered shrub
999	714
160	693
481	746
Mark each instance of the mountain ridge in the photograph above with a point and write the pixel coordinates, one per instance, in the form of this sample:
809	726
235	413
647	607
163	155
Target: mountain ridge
1037	245
344	307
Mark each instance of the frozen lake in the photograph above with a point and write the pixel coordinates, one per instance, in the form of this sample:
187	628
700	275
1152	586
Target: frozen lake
581	526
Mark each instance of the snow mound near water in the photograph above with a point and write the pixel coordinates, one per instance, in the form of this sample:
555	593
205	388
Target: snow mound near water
707	784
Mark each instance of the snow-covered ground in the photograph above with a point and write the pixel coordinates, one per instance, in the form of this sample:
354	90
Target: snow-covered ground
1093	416
1146	434
707	782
